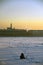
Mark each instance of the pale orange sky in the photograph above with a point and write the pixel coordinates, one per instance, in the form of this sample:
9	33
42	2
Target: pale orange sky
23	24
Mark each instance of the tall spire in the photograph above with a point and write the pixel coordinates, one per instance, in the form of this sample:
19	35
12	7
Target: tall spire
11	25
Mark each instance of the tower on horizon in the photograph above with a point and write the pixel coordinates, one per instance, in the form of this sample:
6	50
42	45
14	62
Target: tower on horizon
11	25
10	28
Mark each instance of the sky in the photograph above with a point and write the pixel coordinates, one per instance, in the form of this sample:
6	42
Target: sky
23	14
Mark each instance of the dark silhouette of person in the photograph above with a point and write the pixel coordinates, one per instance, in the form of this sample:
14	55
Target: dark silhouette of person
22	56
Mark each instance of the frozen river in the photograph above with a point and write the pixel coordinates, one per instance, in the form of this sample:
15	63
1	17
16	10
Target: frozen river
12	47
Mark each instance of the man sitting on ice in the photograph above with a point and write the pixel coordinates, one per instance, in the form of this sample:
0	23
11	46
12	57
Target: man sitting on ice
22	56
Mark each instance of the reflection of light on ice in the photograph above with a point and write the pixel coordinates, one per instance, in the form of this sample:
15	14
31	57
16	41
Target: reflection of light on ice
3	44
3	63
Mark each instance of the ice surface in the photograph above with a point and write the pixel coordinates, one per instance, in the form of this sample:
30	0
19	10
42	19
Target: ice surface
12	47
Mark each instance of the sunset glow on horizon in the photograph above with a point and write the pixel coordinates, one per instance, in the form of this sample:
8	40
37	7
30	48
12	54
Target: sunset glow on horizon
23	14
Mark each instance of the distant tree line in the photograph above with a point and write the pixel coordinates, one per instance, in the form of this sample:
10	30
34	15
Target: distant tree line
21	33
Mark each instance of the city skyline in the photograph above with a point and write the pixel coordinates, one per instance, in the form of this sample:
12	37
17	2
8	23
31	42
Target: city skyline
23	14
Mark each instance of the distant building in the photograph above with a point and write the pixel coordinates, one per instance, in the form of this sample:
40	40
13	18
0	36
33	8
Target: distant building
10	28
